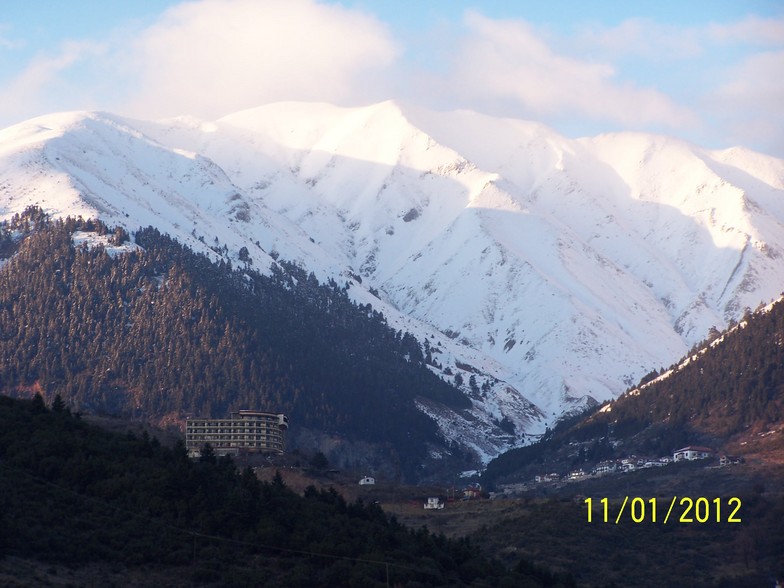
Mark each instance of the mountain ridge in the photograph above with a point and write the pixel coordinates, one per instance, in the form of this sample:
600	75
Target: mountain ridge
561	270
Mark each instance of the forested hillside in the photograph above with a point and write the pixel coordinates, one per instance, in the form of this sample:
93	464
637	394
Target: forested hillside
733	384
76	495
160	333
729	389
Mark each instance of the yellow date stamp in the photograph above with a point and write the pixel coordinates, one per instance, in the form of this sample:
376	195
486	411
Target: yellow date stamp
681	509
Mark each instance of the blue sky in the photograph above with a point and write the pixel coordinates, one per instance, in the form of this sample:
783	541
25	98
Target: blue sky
708	71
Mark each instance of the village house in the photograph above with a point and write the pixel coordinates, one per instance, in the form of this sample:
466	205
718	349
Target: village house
434	503
692	452
510	489
726	460
471	492
605	467
367	481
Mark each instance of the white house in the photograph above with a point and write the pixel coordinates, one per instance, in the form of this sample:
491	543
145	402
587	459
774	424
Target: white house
691	453
606	467
547	478
367	481
434	503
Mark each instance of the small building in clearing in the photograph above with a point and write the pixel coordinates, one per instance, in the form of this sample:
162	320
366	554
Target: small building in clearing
434	503
367	481
726	460
692	452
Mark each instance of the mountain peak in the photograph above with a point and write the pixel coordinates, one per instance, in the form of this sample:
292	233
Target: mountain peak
554	269
41	128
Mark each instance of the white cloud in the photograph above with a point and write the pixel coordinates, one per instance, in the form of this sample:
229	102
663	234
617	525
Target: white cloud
7	42
719	83
214	57
747	103
507	62
757	81
638	37
34	89
752	30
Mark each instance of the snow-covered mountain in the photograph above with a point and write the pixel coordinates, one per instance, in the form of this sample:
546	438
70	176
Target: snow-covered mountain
552	270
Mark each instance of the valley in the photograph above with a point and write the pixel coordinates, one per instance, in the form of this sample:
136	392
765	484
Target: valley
548	524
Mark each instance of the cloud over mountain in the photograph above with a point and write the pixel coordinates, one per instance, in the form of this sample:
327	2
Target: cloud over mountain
714	81
213	57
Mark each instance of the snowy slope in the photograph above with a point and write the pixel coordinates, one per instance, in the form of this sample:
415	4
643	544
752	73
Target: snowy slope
550	269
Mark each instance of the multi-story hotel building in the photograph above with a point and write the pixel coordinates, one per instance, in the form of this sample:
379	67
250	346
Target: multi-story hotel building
245	431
